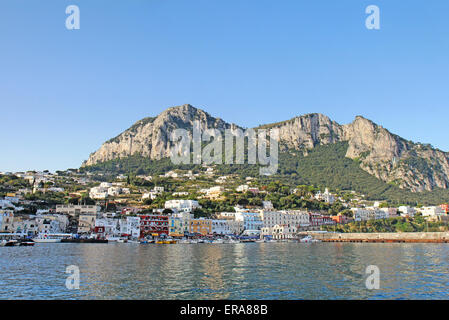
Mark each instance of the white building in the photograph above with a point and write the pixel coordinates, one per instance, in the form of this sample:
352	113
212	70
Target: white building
221	227
279	232
133	224
285	218
149	195
326	197
6	221
75	210
407	211
182	205
363	214
242	188
252	220
432	211
267	205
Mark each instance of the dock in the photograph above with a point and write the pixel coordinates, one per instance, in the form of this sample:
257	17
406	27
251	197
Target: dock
384	237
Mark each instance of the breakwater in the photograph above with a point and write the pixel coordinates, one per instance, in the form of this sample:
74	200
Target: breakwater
383	237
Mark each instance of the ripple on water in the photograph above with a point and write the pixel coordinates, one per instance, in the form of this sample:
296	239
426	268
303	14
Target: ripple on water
240	271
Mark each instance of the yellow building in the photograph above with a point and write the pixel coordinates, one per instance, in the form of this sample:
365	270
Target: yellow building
201	225
177	226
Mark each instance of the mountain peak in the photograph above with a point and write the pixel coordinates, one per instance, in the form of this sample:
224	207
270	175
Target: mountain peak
382	154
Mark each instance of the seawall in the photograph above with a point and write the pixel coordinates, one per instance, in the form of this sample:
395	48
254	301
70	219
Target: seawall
386	237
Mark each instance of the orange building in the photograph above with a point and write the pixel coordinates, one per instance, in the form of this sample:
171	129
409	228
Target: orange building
445	207
202	226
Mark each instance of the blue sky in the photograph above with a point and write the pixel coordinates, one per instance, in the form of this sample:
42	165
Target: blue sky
63	93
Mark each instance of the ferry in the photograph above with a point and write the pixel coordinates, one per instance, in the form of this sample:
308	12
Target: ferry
51	237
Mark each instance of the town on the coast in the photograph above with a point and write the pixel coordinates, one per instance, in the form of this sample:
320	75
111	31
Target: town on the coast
185	206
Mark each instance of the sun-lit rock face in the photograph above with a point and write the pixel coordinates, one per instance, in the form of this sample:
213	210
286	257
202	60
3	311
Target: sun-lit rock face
382	154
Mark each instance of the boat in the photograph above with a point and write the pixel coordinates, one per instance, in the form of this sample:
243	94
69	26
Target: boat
166	241
218	241
77	240
12	243
26	243
308	239
47	240
51	237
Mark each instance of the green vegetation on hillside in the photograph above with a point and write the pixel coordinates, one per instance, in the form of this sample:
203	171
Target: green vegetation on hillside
323	166
399	224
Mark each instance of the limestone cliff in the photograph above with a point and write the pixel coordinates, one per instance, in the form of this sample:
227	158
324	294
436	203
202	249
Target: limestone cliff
385	155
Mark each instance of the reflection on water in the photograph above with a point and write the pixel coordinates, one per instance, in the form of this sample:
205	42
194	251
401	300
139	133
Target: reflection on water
225	271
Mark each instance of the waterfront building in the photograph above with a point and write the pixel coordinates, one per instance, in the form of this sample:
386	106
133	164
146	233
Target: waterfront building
294	218
283	232
221	227
6	221
51	223
201	226
178	226
154	225
252	220
108	227
86	222
133	225
25	226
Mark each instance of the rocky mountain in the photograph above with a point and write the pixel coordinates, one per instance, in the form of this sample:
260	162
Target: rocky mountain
388	157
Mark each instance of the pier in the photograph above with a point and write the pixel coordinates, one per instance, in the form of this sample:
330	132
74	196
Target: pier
386	237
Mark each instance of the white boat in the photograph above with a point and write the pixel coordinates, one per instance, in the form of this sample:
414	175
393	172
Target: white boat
218	241
308	239
47	238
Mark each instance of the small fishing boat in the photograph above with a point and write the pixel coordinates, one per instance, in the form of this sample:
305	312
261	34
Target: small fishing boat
12	243
26	243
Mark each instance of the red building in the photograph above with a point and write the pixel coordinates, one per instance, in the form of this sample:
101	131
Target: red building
317	219
341	219
445	207
153	224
